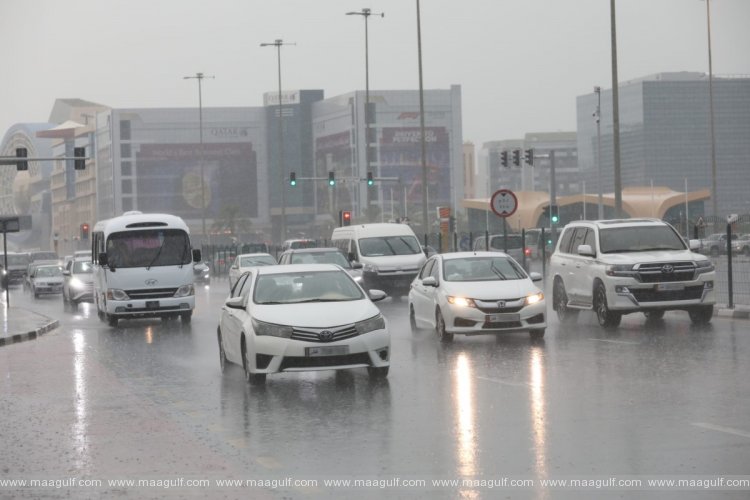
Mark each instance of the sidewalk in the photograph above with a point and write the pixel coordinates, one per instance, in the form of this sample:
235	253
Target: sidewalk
740	311
18	325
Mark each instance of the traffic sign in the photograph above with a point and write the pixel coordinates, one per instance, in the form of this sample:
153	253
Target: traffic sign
504	203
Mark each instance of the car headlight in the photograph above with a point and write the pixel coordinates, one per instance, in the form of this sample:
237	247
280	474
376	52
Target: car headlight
461	301
619	270
185	291
370	268
369	325
271	329
703	266
76	283
534	298
115	294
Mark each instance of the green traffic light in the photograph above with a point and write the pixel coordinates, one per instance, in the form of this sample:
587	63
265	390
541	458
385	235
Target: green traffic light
555	219
292	183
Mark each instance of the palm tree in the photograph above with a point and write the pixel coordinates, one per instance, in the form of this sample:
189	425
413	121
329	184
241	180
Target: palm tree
230	221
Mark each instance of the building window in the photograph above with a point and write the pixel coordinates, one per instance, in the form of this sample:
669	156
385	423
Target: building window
126	169
124	130
124	150
127	186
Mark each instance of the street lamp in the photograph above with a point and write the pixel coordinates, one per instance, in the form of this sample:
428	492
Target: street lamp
278	43
199	77
425	218
714	195
366	13
615	114
598	116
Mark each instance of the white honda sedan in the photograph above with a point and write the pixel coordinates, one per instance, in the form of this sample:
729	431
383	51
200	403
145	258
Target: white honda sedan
475	293
302	317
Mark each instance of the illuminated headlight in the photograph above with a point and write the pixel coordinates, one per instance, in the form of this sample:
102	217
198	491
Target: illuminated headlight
534	298
370	268
619	270
461	301
271	329
357	278
76	283
703	266
184	291
369	325
115	294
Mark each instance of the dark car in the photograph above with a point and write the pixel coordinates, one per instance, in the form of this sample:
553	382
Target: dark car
201	273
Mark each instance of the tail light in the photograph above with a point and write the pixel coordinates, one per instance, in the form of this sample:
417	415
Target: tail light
527	251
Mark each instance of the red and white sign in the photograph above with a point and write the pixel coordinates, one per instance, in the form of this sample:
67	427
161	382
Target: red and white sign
504	203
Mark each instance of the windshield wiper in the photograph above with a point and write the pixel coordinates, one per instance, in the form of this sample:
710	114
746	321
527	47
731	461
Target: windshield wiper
658	248
498	272
315	300
158	252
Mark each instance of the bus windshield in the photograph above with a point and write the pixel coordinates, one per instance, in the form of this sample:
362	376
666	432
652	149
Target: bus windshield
148	248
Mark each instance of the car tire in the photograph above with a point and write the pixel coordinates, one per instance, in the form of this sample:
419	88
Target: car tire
701	315
565	314
377	372
537	334
186	317
251	378
222	354
112	320
605	317
654	315
442	333
413	319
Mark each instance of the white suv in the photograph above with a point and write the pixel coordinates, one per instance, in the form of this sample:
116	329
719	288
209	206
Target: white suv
618	267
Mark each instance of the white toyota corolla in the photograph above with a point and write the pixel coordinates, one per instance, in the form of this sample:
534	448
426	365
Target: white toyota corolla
475	293
302	317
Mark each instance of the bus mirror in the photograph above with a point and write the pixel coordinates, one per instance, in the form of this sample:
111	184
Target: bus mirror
196	255
103	259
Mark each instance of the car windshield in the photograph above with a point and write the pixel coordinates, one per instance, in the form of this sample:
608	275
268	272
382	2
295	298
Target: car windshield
514	241
389	245
46	272
639	239
299	287
147	248
482	269
257	260
333	257
82	267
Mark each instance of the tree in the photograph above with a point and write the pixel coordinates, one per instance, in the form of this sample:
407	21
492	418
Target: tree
230	221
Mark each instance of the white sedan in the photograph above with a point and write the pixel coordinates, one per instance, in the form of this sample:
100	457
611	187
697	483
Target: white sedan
476	293
244	262
302	317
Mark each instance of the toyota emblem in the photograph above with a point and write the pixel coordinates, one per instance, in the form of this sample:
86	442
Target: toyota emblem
325	336
150	282
667	269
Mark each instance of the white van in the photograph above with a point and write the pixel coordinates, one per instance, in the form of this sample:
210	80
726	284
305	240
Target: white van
143	267
390	254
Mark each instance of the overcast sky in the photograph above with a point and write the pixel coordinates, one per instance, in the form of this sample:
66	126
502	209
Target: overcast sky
520	63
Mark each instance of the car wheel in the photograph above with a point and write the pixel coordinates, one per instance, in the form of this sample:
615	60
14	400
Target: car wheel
537	334
442	333
413	319
252	378
701	315
112	320
606	318
377	372
222	354
654	315
186	317
560	298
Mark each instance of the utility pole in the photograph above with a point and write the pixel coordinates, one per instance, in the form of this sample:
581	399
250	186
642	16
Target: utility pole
615	116
423	139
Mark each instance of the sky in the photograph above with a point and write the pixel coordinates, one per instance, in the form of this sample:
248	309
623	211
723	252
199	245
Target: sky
520	63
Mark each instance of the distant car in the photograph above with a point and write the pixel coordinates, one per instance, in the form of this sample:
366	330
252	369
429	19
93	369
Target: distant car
44	256
741	245
294	244
429	251
18	264
46	279
302	317
245	262
476	293
322	256
201	273
715	244
78	283
512	245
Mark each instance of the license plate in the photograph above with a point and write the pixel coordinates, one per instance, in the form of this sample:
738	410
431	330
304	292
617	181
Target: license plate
503	317
668	287
331	350
152	304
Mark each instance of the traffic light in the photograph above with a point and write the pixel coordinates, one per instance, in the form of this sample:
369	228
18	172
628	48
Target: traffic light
22	164
84	230
345	218
504	159
554	216
292	179
80	161
529	156
370	180
517	157
331	179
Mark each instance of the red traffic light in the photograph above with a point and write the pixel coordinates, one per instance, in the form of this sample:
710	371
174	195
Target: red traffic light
84	231
346	217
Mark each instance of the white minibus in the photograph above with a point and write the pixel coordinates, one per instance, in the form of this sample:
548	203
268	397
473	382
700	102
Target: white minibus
143	267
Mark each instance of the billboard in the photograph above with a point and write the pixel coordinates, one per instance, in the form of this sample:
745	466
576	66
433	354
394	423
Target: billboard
333	153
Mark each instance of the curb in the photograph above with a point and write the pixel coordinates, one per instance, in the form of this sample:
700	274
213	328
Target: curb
30	335
739	312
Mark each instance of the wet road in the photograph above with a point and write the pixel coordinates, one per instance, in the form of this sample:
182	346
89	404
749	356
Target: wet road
147	402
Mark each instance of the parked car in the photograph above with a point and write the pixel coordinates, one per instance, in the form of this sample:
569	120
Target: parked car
302	317
322	256
78	283
18	264
474	293
201	273
715	244
46	279
245	262
618	267
741	246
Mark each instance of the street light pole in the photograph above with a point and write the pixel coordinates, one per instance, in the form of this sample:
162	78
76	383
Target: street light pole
199	77
423	142
615	115
278	43
714	194
598	115
366	13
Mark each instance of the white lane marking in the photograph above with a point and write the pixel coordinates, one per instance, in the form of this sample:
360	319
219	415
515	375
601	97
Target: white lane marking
617	341
505	382
727	430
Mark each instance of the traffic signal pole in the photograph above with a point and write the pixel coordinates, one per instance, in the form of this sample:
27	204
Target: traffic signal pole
552	194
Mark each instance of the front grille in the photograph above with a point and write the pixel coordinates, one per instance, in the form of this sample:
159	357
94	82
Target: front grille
502	324
499	309
654	272
490	306
651	295
321	361
151	293
311	334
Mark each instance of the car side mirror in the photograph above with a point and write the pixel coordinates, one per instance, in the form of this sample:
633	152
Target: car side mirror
197	255
103	259
235	303
376	295
357	265
429	281
535	276
66	272
351	257
586	251
694	245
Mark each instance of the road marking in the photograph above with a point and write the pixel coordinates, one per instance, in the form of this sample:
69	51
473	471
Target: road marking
727	430
505	382
617	341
